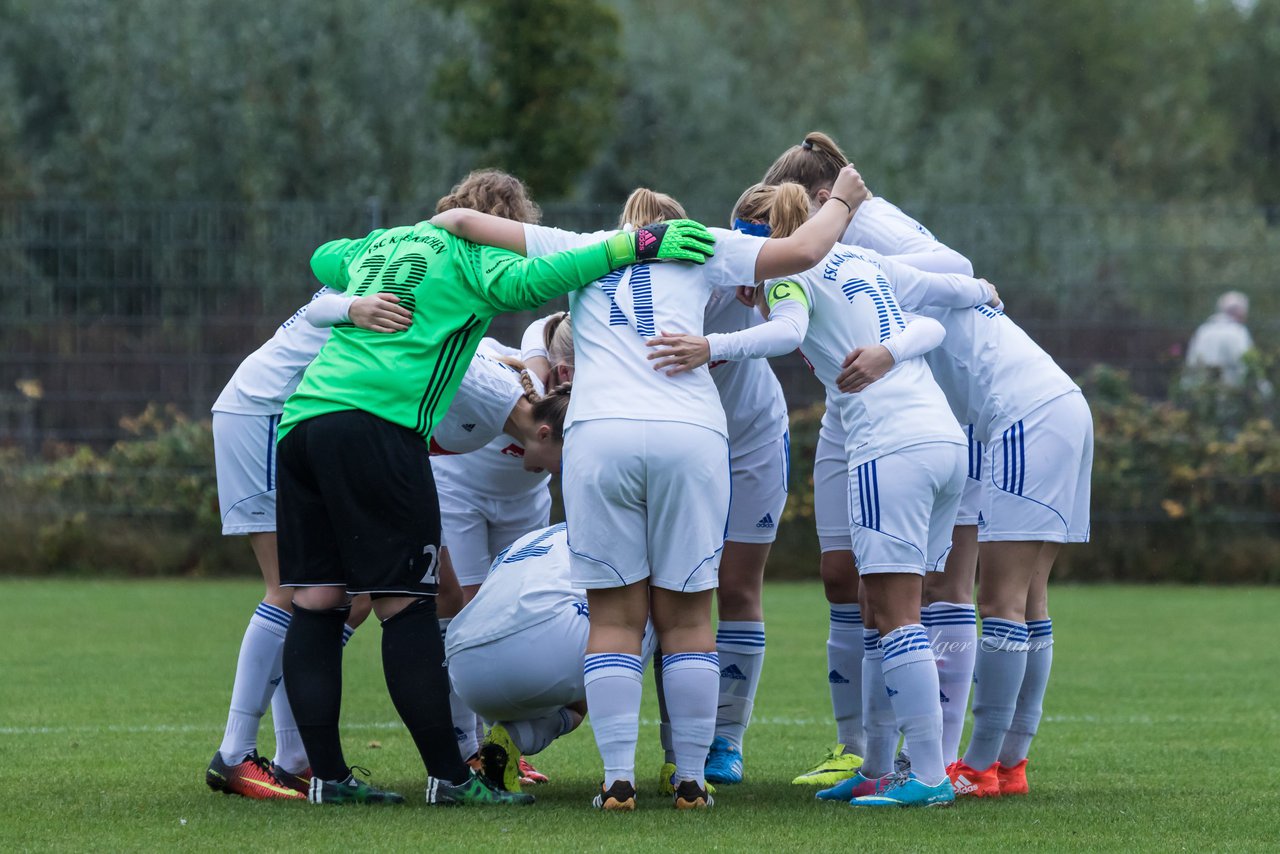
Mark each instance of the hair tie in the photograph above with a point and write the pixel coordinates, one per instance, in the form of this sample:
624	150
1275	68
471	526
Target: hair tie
807	145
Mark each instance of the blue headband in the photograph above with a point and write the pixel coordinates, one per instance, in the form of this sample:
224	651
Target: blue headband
756	229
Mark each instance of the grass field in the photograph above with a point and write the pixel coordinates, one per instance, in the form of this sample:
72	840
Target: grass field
1162	732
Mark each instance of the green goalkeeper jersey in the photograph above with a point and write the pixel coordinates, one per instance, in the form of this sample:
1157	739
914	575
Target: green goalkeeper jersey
454	288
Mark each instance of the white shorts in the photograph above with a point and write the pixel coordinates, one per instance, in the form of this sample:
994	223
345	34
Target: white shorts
971	499
758	491
526	674
903	506
831	496
244	457
645	499
1038	476
532	672
474	528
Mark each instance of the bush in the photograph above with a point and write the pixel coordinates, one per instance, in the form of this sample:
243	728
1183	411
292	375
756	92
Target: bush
147	506
1186	490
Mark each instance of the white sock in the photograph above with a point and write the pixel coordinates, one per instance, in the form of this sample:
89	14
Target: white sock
844	673
997	678
911	677
290	754
691	681
1026	716
259	664
740	647
533	736
465	721
953	634
877	710
613	682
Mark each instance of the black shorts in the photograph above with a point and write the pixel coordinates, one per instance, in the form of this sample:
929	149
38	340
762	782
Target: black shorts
356	507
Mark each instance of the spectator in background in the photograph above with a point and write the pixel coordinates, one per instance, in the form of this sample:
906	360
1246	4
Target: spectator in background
1219	344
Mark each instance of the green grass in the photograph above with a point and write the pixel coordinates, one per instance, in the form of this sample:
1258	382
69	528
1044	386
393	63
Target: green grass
1161	734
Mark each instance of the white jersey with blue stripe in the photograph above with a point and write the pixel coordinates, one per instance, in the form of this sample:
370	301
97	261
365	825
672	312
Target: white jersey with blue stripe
267	377
754	407
613	317
528	584
483	459
853	304
992	371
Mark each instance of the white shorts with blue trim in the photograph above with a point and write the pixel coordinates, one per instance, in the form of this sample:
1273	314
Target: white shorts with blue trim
244	458
1038	473
831	496
903	506
758	483
474	528
530	673
971	499
645	499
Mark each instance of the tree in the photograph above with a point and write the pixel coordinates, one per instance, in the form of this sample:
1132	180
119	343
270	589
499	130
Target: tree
538	97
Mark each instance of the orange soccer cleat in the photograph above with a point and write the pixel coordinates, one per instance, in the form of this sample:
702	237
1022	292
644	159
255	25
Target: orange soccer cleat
252	777
1013	780
971	783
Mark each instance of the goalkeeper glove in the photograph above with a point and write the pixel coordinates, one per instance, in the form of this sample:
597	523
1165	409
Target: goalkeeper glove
671	240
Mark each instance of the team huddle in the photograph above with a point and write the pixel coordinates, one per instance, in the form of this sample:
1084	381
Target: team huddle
383	455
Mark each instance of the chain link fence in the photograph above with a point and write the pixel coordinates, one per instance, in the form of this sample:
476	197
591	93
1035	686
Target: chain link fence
109	308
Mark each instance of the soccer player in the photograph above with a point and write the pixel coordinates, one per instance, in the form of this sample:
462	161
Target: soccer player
647	499
245	417
905	459
949	615
515	651
369	522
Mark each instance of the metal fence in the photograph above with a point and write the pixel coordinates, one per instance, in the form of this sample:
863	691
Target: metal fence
107	307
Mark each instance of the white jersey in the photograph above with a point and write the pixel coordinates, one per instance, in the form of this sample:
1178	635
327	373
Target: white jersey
992	371
265	379
754	408
527	585
613	317
852	304
480	457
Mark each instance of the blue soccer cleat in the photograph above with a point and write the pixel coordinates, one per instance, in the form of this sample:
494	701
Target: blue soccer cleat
724	762
908	791
854	787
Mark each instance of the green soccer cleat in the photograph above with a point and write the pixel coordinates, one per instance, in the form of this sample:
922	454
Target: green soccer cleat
350	791
838	765
500	759
907	791
476	790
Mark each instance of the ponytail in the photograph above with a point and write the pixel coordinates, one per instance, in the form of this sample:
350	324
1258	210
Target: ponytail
814	164
551	409
645	206
785	207
557	338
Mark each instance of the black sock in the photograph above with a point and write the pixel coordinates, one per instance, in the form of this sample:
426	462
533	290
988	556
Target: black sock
313	679
413	663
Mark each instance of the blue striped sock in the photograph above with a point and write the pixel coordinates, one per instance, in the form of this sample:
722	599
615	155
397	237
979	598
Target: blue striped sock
613	683
740	648
911	678
690	683
1030	707
844	675
997	678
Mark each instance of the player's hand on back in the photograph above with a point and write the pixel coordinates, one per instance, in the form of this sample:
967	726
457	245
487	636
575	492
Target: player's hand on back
864	366
669	240
380	313
678	353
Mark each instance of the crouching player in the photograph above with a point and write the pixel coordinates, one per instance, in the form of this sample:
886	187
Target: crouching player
515	652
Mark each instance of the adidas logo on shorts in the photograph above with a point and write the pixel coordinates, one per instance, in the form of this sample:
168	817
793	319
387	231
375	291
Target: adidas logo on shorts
468	427
766	522
732	672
